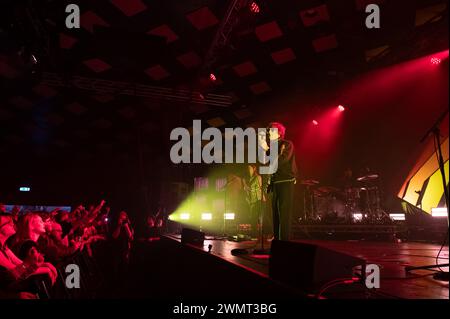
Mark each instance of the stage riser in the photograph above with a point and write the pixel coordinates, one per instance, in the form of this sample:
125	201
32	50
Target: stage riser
347	236
375	233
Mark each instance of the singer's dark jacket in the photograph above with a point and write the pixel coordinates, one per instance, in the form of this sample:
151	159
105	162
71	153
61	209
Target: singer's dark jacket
287	168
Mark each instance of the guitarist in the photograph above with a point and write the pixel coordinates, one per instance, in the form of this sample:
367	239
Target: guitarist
282	182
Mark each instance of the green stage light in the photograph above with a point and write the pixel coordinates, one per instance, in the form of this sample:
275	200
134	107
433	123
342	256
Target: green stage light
216	201
185	216
206	216
229	216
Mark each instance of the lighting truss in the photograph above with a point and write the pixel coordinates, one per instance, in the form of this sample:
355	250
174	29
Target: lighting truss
134	89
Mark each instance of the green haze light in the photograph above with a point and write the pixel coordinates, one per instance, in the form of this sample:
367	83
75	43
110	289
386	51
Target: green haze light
185	216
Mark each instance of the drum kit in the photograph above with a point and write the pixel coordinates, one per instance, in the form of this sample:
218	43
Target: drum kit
362	199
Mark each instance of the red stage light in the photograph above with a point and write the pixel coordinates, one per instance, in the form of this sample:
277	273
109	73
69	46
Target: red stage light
435	61
341	108
315	122
254	7
212	77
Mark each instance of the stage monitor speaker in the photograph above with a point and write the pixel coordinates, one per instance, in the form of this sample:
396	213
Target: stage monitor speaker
193	237
307	266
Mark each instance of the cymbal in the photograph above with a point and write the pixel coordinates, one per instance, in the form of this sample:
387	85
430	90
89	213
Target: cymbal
367	178
309	182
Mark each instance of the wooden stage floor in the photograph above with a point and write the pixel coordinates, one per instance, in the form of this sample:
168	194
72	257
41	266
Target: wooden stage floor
391	257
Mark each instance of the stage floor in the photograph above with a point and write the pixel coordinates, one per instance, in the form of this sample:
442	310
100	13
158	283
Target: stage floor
391	257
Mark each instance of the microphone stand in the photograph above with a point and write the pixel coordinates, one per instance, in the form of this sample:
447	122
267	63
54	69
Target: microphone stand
442	275
224	188
261	250
262	206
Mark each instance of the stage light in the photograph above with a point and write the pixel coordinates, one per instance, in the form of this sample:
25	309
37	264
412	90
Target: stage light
435	61
212	77
357	216
254	7
341	108
439	212
206	216
315	122
397	216
24	189
229	216
185	216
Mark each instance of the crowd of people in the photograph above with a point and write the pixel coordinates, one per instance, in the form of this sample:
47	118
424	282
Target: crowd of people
35	245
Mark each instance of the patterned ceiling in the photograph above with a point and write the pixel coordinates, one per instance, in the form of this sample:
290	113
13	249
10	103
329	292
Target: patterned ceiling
162	44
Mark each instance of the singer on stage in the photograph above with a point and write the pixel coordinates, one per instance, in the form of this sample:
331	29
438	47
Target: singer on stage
282	182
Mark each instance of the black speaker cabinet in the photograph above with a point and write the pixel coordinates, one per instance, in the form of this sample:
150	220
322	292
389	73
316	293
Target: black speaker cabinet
308	266
193	237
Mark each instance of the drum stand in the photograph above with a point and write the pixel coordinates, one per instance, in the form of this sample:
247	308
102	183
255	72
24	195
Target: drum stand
350	204
308	209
